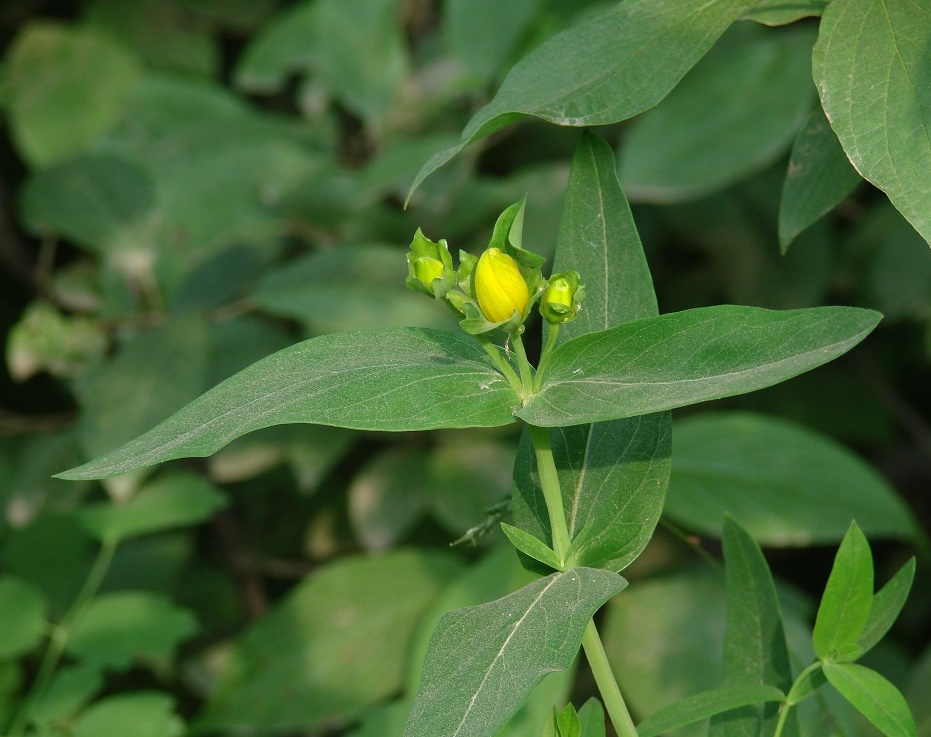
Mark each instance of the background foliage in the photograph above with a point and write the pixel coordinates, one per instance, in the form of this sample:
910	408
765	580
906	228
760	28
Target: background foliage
187	186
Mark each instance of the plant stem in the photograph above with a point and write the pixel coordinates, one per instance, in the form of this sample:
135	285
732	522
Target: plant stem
545	355
526	374
784	708
492	350
61	632
549	483
607	683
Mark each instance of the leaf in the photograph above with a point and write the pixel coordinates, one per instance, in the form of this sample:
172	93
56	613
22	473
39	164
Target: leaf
870	65
783	12
755	652
592	718
873	696
59	102
529	545
734	113
686	357
119	627
390	379
886	606
100	201
819	177
138	714
786	484
567	722
484	661
173	500
847	599
703	705
613	475
70	689
282	46
23	610
609	67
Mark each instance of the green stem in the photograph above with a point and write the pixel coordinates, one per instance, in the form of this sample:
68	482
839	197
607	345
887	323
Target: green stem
549	483
545	355
526	373
784	708
607	683
60	634
503	366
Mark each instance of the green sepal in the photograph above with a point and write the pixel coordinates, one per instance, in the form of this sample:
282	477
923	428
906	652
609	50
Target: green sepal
423	248
532	547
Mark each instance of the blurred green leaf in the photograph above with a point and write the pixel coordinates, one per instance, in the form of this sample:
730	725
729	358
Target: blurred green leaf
129	394
422	379
100	201
67	86
138	714
819	177
172	500
366	281
69	690
283	46
722	351
734	113
898	269
592	718
874	697
119	627
23	610
163	34
785	484
783	12
343	632
755	652
887	605
705	704
483	33
46	340
870	65
848	596
609	67
484	661
613	474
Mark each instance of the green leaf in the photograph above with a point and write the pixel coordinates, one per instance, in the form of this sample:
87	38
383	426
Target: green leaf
282	46
173	500
848	596
734	113
783	12
391	379
138	714
609	67
484	661
755	652
119	627
686	357
886	606
23	610
613	475
70	689
703	705
874	697
100	201
786	484
567	722
870	65
59	102
592	718
532	546
819	177
345	631
483	33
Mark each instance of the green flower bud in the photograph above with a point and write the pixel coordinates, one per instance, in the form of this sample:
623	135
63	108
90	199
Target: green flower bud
430	267
499	286
561	301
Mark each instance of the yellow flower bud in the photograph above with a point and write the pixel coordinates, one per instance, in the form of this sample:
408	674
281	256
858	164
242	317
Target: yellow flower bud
499	286
558	293
427	269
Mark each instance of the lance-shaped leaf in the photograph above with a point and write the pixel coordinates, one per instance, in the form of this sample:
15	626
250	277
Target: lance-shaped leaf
613	475
687	357
755	652
484	661
390	379
874	697
871	65
607	68
886	606
703	705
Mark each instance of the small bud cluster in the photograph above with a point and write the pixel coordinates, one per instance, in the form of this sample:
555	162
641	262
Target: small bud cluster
498	289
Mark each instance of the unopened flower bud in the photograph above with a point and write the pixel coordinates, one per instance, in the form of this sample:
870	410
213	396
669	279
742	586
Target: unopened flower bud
499	286
561	301
427	269
427	262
